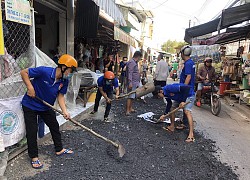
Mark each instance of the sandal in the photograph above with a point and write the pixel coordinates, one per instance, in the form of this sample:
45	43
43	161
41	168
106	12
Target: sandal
133	111
66	151
181	127
190	139
106	119
168	129
128	114
37	162
93	112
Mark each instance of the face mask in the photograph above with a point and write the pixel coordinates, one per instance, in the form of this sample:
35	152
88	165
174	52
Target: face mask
108	82
68	76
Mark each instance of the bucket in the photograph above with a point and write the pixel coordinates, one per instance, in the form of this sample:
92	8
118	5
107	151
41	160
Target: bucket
245	83
92	97
224	86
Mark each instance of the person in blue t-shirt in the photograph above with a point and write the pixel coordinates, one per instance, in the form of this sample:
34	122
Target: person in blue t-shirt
48	84
188	77
178	93
106	85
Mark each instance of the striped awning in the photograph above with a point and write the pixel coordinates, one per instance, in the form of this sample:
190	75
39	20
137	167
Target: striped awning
112	10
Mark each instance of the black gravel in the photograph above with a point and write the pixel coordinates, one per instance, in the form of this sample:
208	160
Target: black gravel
151	152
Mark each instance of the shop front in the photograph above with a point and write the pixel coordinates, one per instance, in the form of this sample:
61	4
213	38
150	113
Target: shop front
53	26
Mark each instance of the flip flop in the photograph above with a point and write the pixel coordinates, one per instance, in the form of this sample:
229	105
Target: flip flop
181	127
189	140
67	151
128	114
167	129
38	163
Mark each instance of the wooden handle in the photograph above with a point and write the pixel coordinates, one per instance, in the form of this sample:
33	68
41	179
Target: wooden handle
125	95
173	111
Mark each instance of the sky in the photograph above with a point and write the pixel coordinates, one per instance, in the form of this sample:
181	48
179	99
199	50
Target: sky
172	16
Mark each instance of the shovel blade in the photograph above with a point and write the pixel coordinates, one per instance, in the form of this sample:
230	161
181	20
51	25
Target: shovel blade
121	150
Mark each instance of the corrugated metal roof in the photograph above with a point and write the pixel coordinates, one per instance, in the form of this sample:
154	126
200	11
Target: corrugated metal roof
86	21
112	10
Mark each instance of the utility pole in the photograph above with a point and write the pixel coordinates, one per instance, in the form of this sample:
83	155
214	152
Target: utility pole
189	24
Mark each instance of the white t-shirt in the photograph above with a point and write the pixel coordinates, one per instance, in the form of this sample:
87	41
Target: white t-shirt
161	72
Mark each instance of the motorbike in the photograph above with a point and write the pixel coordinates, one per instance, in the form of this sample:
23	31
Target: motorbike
174	75
210	97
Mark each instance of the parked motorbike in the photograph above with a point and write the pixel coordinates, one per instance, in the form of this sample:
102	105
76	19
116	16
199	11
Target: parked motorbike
174	75
210	97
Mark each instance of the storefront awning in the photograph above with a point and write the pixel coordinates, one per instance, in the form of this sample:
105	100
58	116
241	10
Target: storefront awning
125	38
200	30
229	17
235	15
231	35
112	10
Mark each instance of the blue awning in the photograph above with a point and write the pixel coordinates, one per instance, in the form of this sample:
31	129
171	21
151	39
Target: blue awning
112	10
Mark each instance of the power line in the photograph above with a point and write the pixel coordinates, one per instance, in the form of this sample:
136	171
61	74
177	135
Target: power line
203	7
160	4
176	12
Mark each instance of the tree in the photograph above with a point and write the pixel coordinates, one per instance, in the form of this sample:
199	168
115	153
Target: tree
171	46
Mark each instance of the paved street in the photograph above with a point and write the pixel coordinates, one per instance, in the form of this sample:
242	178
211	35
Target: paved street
231	133
152	153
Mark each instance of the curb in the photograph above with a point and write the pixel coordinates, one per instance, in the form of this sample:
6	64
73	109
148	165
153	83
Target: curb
240	107
3	162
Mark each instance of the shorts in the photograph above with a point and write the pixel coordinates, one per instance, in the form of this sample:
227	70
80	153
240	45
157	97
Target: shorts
132	96
189	106
201	85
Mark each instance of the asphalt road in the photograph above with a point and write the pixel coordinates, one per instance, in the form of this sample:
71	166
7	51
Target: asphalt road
221	150
151	152
231	132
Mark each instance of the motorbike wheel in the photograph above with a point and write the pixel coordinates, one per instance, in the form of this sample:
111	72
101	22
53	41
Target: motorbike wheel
215	106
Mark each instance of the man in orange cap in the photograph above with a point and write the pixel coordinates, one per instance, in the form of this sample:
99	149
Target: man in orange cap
48	84
106	86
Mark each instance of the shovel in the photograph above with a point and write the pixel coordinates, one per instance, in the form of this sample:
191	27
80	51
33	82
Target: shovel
121	149
173	111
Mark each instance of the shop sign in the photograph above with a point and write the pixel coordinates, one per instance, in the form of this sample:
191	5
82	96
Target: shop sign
1	33
18	11
123	37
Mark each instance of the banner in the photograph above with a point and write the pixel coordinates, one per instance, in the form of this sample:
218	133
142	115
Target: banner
18	11
12	127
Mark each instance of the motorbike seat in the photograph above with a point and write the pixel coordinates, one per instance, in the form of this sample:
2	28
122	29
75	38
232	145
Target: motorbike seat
206	89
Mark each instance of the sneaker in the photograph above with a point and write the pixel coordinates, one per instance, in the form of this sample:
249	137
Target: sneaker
93	112
106	119
198	104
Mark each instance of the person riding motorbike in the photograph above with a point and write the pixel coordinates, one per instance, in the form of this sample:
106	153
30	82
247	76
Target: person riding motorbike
205	74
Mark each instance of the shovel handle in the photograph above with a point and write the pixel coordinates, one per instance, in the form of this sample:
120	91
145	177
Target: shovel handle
125	95
79	124
173	111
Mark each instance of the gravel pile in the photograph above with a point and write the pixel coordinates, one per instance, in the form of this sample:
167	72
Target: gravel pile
151	152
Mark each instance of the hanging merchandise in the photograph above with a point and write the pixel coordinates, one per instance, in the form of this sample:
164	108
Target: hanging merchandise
199	53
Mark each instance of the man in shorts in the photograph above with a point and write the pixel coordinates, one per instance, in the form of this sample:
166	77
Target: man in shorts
188	77
133	79
176	95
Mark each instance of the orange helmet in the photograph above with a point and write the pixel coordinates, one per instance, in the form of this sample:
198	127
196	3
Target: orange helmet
68	61
109	75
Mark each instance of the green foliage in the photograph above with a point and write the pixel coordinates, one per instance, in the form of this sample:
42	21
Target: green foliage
172	46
